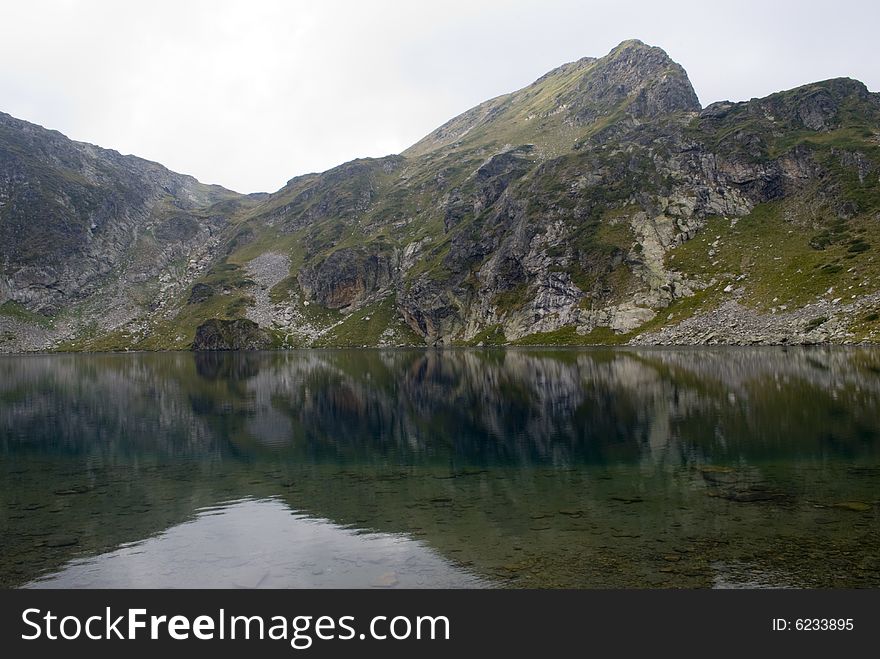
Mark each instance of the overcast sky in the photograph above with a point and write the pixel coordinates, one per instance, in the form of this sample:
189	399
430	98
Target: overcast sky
248	93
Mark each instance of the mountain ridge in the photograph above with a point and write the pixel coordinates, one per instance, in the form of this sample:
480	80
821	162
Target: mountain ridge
575	210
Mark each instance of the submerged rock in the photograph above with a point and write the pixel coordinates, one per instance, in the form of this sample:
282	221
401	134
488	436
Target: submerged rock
855	506
719	475
751	496
386	580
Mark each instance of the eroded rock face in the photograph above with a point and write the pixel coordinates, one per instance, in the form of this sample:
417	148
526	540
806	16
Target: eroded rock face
642	77
75	215
345	192
347	277
432	311
240	334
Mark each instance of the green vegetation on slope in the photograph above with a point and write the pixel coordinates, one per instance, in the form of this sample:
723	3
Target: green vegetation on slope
779	262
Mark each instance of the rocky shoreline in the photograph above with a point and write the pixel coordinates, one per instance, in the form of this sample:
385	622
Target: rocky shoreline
823	322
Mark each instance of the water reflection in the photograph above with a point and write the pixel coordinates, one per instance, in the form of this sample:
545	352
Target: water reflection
692	468
262	544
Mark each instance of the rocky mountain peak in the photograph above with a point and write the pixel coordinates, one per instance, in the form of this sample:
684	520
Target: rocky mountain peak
634	80
643	78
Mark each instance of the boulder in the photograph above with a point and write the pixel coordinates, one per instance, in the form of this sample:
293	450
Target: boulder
238	334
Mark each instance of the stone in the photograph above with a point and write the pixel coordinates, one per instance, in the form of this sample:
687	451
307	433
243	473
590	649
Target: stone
199	293
240	334
854	506
386	580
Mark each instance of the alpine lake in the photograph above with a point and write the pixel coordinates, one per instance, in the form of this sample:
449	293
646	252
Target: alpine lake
518	468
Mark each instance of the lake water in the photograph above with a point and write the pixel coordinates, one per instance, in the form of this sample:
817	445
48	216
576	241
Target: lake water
688	468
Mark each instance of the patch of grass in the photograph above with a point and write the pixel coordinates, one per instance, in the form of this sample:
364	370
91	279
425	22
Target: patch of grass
315	314
835	232
858	246
491	336
512	299
782	266
524	117
115	341
12	309
867	327
681	309
367	325
432	263
283	290
568	336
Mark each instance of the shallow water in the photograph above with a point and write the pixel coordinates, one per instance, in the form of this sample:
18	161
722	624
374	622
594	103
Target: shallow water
519	468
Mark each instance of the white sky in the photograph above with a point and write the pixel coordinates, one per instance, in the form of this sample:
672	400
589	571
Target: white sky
249	93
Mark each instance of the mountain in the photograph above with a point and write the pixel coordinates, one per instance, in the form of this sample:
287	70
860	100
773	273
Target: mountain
600	204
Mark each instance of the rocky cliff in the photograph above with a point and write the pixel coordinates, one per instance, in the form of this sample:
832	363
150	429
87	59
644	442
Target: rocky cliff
600	204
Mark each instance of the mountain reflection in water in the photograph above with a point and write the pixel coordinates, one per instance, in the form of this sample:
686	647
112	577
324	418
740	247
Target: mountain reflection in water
262	544
526	468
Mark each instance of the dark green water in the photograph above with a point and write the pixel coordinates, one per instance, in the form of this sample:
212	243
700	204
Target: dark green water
568	468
